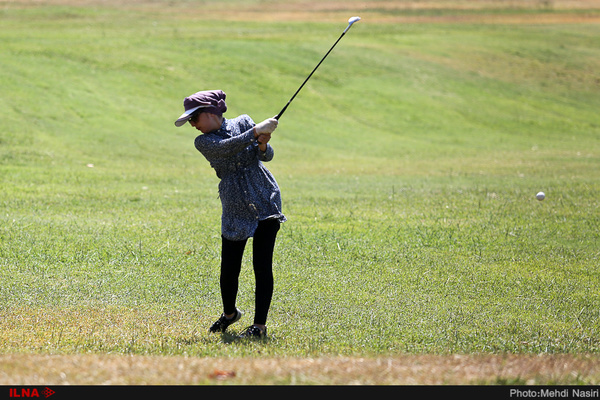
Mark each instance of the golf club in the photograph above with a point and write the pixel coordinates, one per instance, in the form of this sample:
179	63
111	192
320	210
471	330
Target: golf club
350	22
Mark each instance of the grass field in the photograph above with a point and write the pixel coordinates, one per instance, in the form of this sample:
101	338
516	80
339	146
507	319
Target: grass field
415	251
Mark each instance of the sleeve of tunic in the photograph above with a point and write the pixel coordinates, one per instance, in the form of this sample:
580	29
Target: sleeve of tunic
213	147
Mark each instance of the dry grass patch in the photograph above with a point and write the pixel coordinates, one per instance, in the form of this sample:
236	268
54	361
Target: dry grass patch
445	11
19	369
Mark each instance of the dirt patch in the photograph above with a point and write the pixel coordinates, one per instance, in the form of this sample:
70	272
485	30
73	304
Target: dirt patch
375	18
397	370
335	5
391	11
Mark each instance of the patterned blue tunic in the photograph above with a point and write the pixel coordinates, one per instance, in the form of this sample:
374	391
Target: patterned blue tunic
249	193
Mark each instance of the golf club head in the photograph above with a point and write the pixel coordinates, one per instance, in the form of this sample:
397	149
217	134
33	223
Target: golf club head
351	21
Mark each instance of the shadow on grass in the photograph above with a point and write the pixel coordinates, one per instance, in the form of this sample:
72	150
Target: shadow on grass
225	338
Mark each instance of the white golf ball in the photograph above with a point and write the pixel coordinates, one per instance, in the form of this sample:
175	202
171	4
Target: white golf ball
540	196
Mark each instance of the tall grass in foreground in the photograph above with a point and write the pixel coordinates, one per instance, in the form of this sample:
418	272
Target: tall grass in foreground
409	174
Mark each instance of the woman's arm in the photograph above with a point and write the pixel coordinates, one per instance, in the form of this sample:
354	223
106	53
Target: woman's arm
213	147
265	151
263	133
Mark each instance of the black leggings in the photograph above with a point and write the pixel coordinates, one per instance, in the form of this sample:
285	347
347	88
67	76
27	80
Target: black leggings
263	244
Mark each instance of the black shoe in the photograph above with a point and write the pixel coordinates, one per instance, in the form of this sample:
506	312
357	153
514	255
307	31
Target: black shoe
253	332
223	322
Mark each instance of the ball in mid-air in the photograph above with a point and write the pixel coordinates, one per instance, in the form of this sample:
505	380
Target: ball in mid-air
540	196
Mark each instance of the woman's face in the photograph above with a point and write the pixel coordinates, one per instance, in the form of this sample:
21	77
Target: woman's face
206	122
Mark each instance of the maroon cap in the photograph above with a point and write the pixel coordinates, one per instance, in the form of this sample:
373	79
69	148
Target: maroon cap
212	101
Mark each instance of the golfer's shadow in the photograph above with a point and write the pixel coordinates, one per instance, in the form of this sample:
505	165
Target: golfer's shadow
229	338
226	338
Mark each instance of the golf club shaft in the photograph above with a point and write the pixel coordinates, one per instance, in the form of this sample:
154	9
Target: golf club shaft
311	74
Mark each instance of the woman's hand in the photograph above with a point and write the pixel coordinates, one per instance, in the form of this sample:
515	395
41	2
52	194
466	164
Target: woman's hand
262	140
262	132
267	126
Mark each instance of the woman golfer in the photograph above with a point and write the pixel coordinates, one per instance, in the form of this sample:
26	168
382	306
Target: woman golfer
250	197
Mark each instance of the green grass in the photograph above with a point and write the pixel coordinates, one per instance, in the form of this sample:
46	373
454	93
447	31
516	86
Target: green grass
408	164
